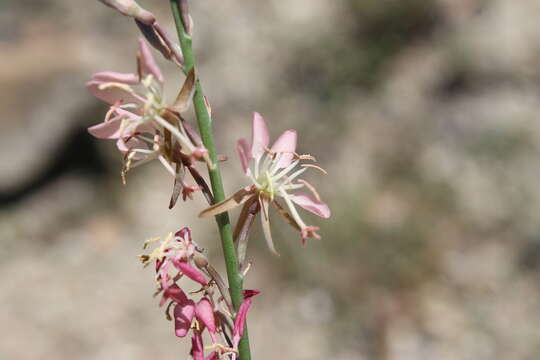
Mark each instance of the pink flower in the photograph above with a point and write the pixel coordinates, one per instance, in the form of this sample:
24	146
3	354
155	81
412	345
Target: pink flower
174	258
144	126
274	173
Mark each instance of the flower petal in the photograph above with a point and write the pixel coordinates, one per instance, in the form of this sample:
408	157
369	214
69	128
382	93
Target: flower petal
147	61
259	136
197	349
286	145
107	129
175	293
244	154
111	94
265	222
190	272
183	316
240	320
111	76
205	314
311	204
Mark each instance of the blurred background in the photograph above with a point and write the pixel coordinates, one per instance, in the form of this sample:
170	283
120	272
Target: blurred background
424	113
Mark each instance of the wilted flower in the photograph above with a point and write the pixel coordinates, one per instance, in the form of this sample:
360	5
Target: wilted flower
274	174
144	125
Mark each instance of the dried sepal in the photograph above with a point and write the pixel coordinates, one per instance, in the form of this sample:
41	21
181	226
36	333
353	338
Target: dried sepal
235	200
183	100
243	226
178	184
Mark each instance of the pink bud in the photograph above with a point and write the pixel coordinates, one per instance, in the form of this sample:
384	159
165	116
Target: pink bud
205	314
240	321
190	272
183	316
132	9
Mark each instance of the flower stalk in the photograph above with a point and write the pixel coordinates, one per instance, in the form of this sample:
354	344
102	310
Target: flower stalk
204	121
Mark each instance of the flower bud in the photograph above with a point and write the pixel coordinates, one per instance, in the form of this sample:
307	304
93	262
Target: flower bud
131	8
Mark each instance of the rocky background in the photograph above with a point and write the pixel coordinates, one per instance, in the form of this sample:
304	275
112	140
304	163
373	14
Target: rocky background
424	112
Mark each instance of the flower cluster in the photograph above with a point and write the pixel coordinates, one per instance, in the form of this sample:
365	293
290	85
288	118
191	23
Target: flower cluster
179	256
144	126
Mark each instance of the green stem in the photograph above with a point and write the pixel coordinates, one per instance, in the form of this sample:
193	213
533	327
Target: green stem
205	128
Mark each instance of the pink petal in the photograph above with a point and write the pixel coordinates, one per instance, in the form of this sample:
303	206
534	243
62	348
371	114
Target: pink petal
259	136
197	350
148	63
240	320
213	356
205	314
244	153
175	293
286	145
110	76
111	95
191	272
108	129
183	316
311	204
185	234
131	8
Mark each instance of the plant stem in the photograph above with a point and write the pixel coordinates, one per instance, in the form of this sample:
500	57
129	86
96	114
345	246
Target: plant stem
205	128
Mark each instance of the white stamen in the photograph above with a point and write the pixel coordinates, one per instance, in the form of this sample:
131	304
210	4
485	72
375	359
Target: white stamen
285	171
181	138
167	165
292	208
295	175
